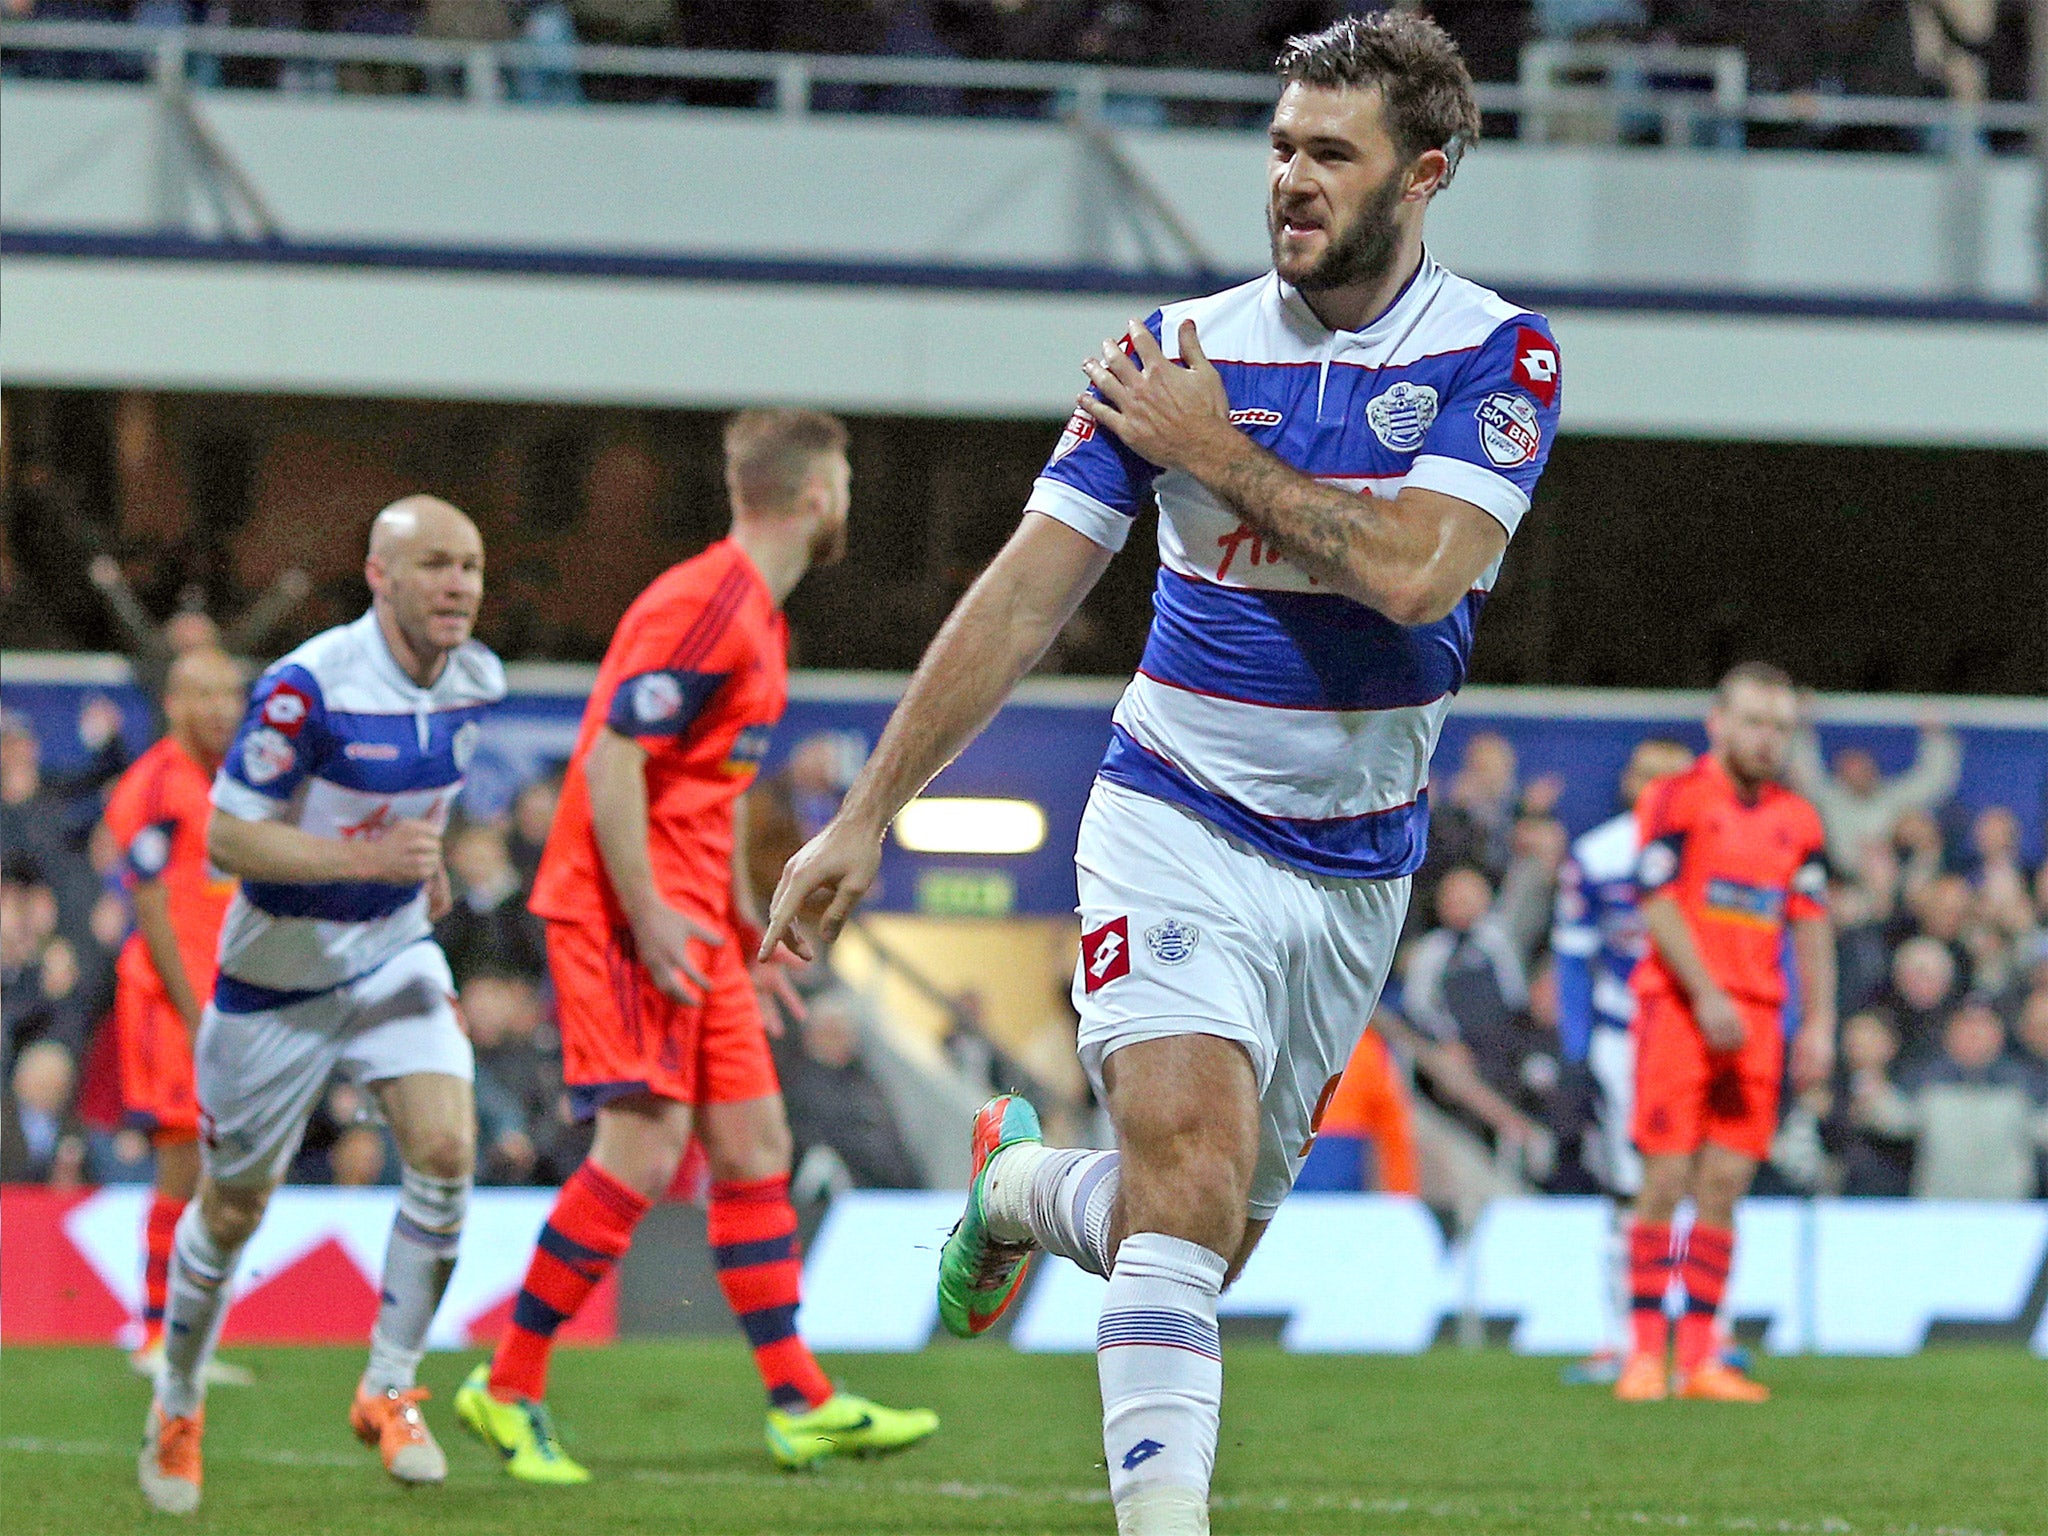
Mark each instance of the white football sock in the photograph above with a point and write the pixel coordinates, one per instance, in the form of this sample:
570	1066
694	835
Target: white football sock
1062	1199
194	1309
417	1263
1161	1364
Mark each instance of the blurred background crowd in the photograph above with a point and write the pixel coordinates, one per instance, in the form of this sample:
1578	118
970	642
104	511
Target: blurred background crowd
1968	49
1470	1085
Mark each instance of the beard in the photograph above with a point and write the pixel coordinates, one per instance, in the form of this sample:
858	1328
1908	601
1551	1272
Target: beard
828	544
1360	253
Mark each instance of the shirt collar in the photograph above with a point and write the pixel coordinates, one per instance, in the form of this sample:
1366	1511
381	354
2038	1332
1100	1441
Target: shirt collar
1396	318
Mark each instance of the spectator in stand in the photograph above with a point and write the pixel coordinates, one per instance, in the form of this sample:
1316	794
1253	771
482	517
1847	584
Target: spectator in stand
1923	984
1865	907
1944	910
41	1141
1480	821
152	647
2031	1032
1978	1116
1465	978
835	1103
533	812
40	994
487	928
49	818
1857	804
518	1075
1870	1162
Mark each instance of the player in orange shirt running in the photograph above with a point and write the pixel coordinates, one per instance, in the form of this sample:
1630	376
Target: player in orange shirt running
157	815
651	931
1729	858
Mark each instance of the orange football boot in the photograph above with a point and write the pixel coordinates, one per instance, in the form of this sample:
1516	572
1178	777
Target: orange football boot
391	1421
167	1466
1714	1381
1642	1380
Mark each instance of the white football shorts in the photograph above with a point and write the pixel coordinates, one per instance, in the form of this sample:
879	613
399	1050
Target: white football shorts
261	1073
1187	931
1611	1057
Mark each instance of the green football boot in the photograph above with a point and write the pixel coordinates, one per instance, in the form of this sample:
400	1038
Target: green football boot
519	1432
979	1277
844	1425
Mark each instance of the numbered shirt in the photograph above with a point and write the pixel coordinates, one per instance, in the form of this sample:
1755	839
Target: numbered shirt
1296	719
1739	869
698	675
339	742
157	814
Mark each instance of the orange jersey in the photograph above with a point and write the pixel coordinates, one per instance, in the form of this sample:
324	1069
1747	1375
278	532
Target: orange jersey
698	674
1739	870
157	814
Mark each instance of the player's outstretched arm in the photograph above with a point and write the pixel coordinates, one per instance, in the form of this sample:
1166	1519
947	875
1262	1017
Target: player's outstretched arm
1412	557
992	638
404	853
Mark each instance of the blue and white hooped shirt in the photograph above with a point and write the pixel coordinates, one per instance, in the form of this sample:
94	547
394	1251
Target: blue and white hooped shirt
1599	935
339	742
1295	719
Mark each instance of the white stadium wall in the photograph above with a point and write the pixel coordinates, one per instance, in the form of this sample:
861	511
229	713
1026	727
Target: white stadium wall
887	204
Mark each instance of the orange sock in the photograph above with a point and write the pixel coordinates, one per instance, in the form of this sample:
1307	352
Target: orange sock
1709	1251
589	1228
159	1234
752	1229
1649	1276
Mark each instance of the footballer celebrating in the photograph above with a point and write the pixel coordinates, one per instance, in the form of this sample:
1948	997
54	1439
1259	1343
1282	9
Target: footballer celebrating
1340	452
651	928
329	808
1729	858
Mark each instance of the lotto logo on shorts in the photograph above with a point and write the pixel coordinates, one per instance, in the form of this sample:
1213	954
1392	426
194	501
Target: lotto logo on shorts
1106	953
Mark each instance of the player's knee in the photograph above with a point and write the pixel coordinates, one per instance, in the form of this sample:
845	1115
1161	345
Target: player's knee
763	1152
442	1154
232	1212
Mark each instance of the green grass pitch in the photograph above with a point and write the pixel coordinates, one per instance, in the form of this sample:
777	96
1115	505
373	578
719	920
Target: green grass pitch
1463	1444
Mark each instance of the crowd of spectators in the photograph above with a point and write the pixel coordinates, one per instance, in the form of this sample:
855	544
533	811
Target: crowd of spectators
1967	49
863	1112
1942	940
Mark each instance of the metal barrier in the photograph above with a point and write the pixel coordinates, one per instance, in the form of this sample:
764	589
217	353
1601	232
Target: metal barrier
795	85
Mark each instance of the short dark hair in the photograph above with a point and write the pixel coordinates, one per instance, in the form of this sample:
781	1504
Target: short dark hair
769	452
1761	674
1422	79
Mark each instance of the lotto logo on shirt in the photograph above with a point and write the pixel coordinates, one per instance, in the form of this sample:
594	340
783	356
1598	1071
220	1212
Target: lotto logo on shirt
1536	365
286	709
1105	953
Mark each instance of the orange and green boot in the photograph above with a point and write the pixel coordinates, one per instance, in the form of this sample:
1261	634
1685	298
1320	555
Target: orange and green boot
980	1277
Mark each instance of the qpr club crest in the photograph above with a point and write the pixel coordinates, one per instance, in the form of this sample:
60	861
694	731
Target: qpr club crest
1508	429
1172	941
267	756
467	735
657	697
1401	417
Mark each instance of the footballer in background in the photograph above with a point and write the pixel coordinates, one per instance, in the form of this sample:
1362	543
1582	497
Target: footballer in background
157	815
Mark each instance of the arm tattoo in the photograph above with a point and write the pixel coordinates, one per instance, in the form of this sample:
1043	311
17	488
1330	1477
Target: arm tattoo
1313	526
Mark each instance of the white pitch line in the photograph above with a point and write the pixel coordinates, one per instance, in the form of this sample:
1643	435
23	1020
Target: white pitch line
1271	1504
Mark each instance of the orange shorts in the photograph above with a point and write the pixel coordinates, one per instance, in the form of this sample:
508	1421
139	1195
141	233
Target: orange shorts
621	1036
1687	1095
157	1092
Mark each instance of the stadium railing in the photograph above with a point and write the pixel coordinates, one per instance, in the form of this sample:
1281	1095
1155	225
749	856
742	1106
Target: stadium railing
790	84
